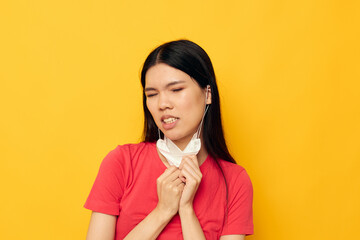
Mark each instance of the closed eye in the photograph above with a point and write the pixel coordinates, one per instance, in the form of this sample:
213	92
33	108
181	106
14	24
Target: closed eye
177	89
151	95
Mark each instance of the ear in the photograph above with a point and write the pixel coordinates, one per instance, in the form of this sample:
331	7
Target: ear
208	94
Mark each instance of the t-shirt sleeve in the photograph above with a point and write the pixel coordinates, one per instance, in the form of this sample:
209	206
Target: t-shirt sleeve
240	215
108	188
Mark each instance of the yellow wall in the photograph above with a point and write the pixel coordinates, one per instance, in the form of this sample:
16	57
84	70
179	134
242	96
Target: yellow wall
288	73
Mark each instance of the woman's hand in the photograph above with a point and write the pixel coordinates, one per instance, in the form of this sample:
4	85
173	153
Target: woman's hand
191	175
169	190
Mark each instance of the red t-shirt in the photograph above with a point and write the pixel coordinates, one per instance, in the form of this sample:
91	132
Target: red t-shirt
126	186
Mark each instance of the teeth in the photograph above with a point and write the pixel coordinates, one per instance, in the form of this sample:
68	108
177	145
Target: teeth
169	120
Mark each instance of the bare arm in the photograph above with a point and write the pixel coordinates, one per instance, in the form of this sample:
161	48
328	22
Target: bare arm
151	226
233	237
190	225
102	227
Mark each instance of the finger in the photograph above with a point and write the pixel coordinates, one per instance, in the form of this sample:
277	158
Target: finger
194	160
177	182
191	158
184	160
167	173
194	173
171	168
174	185
190	164
190	178
181	186
172	176
182	177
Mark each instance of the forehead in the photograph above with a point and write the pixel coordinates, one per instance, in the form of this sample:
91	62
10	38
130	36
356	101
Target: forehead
162	74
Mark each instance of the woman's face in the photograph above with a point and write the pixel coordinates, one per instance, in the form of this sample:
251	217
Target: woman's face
175	101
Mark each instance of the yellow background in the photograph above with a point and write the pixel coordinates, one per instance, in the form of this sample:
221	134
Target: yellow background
288	72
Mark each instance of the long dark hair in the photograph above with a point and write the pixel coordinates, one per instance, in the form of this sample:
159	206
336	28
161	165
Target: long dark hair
190	58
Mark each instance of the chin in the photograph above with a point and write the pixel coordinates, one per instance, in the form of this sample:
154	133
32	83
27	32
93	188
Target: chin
179	137
173	137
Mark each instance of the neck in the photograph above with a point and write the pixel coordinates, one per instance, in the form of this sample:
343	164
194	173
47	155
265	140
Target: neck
182	143
202	155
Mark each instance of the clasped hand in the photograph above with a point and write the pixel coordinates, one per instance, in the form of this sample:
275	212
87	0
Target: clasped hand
177	187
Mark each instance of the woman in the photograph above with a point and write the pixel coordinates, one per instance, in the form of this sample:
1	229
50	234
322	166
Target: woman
180	182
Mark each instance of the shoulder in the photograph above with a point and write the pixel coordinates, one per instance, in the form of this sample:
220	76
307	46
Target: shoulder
232	169
236	176
130	149
123	154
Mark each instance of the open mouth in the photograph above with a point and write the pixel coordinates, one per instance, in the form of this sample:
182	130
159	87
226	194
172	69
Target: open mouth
169	120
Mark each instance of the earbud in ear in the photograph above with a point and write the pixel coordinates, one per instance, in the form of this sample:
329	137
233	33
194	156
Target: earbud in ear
208	90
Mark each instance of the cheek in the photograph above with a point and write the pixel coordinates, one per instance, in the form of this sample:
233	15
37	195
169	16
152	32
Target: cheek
191	100
194	108
151	108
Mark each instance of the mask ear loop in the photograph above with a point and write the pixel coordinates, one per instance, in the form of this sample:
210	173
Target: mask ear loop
159	133
199	128
206	108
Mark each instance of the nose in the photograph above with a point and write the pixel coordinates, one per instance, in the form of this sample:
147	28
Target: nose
164	102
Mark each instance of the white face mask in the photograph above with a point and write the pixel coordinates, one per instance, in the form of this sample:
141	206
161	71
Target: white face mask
172	153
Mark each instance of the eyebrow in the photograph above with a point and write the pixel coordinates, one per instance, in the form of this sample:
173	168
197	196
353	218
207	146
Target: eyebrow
167	85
